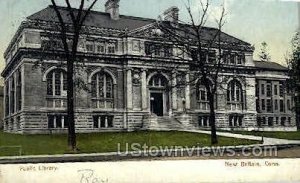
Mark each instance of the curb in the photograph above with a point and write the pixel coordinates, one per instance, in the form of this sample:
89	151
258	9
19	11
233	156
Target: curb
115	156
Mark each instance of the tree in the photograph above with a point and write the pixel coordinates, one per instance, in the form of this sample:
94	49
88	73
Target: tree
193	39
69	33
293	62
264	53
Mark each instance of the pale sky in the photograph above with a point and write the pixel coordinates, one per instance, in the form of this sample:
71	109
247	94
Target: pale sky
254	21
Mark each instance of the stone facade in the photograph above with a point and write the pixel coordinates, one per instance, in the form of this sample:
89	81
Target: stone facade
126	88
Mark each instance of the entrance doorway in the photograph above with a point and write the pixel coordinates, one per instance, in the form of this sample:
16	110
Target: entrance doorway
157	106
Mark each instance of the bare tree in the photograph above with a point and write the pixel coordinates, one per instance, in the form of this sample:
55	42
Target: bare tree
197	41
70	33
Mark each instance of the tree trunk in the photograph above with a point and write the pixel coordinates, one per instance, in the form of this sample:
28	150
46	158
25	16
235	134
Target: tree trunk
70	103
212	119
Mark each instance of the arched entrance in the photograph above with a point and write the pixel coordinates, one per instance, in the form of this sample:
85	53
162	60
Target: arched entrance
159	95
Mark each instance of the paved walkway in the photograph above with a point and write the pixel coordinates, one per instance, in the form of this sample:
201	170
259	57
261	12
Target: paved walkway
267	141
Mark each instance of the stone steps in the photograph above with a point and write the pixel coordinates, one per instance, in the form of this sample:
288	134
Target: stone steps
165	123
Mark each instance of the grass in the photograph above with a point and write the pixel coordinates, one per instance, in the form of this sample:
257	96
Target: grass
278	135
105	142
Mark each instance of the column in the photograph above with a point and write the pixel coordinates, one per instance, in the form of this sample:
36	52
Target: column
187	92
174	91
144	90
129	89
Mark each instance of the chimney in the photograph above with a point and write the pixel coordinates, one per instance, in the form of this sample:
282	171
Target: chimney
171	14
112	7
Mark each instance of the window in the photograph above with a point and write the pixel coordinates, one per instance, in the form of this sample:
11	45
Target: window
6	98
103	121
277	120
101	48
158	81
281	106
275	89
58	121
234	92
201	95
258	119
102	90
281	89
235	95
240	59
12	95
56	89
283	120
262	89
232	58
264	120
148	49
212	57
168	52
257	105
269	105
157	50
276	104
19	90
57	83
270	121
256	90
269	90
288	103
263	104
111	48
203	56
235	121
203	121
90	47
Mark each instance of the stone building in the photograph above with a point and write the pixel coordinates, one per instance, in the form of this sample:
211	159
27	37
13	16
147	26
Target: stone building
128	74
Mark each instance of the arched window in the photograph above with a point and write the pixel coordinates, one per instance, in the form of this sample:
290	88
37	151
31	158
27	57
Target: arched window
235	95
234	92
102	90
158	81
57	88
57	83
201	95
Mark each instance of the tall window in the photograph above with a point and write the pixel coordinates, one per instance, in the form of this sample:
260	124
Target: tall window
201	95
288	104
262	89
7	98
57	83
12	95
269	105
269	90
275	89
281	89
19	90
235	95
281	106
56	88
102	90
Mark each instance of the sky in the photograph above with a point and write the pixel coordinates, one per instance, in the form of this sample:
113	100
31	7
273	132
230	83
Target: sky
253	21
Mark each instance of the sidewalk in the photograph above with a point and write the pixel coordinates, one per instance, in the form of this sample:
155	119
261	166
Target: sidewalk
267	141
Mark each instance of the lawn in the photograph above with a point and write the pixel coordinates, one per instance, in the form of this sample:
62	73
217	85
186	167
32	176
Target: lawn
279	135
105	142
